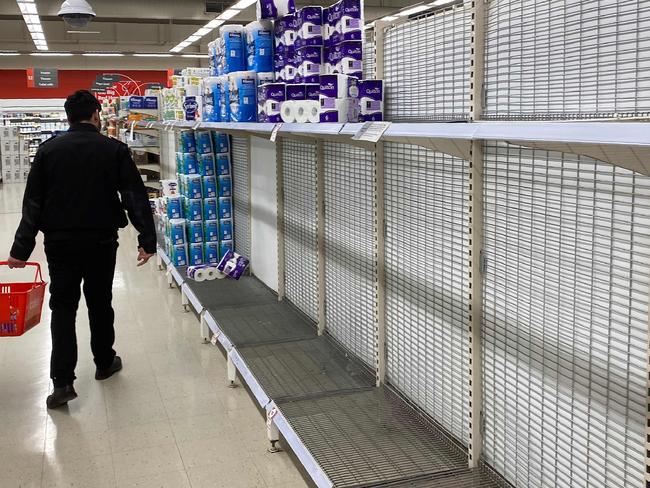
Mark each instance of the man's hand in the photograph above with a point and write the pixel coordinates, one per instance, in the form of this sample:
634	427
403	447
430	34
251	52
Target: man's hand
15	263
143	256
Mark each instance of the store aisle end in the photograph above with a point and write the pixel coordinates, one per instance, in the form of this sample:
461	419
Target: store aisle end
167	419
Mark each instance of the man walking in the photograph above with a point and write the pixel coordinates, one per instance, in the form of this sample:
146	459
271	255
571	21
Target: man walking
72	197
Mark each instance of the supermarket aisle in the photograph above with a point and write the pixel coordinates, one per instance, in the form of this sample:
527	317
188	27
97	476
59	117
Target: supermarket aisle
166	420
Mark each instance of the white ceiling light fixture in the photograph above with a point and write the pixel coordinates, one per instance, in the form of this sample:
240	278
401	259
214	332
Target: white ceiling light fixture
197	56
76	13
389	18
51	54
214	23
242	4
228	14
153	55
438	3
102	55
203	31
9	54
413	10
30	15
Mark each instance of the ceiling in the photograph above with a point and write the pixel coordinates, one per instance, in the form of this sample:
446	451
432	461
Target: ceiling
149	26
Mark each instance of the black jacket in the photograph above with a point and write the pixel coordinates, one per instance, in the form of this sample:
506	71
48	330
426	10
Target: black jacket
72	192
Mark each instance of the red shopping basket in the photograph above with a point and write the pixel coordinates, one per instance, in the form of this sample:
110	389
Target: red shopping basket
21	304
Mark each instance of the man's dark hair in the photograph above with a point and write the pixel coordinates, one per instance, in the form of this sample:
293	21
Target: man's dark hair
81	105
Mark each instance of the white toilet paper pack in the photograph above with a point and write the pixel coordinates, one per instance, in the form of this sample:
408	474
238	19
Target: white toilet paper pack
270	98
307	111
263	78
233	265
259	45
288	111
273	9
311	64
339	110
348	57
371	100
243	105
310	31
169	187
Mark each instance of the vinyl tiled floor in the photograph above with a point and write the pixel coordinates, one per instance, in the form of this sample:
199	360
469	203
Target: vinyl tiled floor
166	420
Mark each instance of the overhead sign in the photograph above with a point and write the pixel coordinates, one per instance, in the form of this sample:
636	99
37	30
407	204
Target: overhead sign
43	78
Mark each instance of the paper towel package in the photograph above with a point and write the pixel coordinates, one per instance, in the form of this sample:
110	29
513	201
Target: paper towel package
174	207
179	255
220	142
203	141
311	63
186	141
206	164
310	32
195	254
233	48
194	232
351	23
194	186
193	209
222	164
224	186
209	187
371	100
225	229
210	211
243	102
211	99
259	45
270	97
225	208
211	230
224	247
349	55
273	9
211	252
338	86
176	231
233	265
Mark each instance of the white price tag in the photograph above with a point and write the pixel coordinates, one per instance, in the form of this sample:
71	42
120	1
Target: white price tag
371	131
197	125
274	132
214	339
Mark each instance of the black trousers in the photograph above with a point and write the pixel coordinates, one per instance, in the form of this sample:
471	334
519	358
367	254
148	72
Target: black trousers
71	263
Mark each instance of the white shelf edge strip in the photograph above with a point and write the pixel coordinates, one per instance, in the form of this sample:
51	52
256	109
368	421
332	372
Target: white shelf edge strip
192	298
177	276
262	398
313	468
214	327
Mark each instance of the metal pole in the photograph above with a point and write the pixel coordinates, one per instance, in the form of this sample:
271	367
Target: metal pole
380	237
280	217
320	233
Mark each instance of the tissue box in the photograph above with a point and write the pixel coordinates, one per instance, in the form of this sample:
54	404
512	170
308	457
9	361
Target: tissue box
210	209
211	230
223	164
225	229
179	255
176	231
174	208
224	185
371	100
211	252
209	187
194	232
203	142
195	254
206	164
232	264
193	209
225	208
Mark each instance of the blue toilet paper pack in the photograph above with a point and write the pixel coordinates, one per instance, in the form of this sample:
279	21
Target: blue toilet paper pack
243	103
211	252
206	164
224	99
176	231
210	211
225	229
220	142
187	163
211	94
209	186
195	254
194	232
225	207
222	164
186	141
203	142
194	186
224	247
224	186
211	230
234	58
259	46
179	255
193	209
310	32
174	207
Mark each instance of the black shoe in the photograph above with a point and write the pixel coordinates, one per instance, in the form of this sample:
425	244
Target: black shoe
60	396
102	374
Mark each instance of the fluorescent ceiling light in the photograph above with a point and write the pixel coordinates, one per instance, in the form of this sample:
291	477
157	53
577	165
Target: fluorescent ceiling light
441	2
9	54
413	10
369	26
192	38
214	23
389	18
177	49
51	54
228	14
153	55
32	19
38	36
27	8
203	31
35	28
82	32
103	55
202	56
242	4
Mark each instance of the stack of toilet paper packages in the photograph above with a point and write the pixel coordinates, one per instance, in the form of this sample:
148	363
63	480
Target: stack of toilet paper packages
199	217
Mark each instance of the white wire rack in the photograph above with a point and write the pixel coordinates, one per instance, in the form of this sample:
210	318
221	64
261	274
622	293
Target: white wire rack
240	194
565	319
369	54
426	272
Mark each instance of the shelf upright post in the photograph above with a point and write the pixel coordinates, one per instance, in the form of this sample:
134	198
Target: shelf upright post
476	262
279	174
380	250
320	232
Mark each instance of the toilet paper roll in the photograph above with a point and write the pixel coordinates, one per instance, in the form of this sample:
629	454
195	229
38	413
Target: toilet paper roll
288	111
210	273
218	275
302	111
313	111
199	275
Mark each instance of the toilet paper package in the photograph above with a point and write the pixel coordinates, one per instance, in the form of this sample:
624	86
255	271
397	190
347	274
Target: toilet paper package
233	265
278	35
263	78
192	108
234	58
348	56
371	100
174	207
195	254
222	164
199	273
312	91
288	111
211	230
291	66
225	229
334	14
187	163
211	252
224	247
270	98
224	186
194	232
273	9
210	211
220	142
351	23
307	111
206	164
259	45
193	209
209	187
296	92
211	96
290	30
339	110
169	187
279	63
243	103
225	207
310	32
194	186
338	86
203	141
332	60
179	255
176	231
224	99
311	64
186	141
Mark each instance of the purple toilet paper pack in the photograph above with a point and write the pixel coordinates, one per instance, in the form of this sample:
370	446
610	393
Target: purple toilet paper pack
311	65
371	100
334	14
291	66
295	92
273	9
233	265
351	23
272	95
312	91
338	86
310	32
348	57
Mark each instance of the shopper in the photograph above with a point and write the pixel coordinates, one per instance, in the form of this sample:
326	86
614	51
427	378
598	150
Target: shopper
72	197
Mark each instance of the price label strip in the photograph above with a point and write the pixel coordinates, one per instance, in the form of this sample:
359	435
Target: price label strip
274	132
371	131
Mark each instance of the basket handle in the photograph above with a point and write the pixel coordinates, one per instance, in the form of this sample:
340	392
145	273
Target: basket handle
39	276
